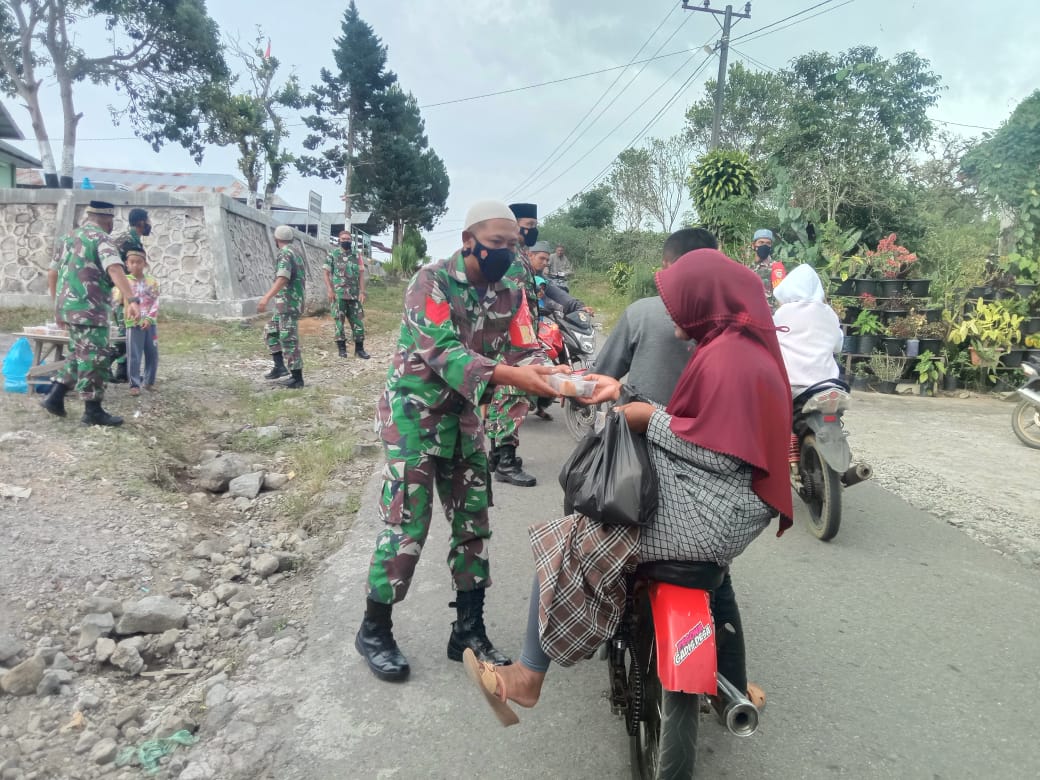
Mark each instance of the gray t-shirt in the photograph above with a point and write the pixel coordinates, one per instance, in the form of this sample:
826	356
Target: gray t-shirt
643	346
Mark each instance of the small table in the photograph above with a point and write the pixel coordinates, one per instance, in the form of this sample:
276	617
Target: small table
51	345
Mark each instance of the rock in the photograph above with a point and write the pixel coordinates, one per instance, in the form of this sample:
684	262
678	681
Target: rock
199	498
86	741
334	499
343	404
208	547
247	485
240	732
242	504
101	604
93	626
215	474
52	681
128	714
61	661
104	752
195	577
128	658
176	722
216	695
275	481
207	600
288	561
87	701
152	615
9	647
367	449
265	564
243	618
104	648
270	432
284	646
47	649
224	591
266	629
231	571
163	644
23	679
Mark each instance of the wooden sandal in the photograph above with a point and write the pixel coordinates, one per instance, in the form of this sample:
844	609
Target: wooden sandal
487	679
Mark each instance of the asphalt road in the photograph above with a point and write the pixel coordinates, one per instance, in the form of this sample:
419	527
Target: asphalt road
901	649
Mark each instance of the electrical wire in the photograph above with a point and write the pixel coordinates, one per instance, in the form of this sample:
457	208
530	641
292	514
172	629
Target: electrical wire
747	36
795	15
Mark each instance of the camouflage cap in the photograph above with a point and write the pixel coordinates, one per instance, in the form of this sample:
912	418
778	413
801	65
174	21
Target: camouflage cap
101	208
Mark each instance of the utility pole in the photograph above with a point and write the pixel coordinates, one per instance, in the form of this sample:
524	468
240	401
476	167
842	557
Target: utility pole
720	85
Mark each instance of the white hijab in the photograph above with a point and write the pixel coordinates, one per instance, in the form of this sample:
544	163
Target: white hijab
801	285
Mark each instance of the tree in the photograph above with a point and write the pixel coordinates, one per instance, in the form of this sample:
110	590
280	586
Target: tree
670	160
345	102
723	185
752	103
251	120
629	187
592	209
159	54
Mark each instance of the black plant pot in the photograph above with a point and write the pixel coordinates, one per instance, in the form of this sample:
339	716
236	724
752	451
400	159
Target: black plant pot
851	312
926	388
843	287
950	382
866	344
848	345
980	291
935	314
867	286
890	288
918	287
1031	326
1025	290
889	388
888	316
860	383
893	347
1012	359
930	345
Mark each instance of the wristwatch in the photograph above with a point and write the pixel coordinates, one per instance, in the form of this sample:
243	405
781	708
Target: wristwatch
133	300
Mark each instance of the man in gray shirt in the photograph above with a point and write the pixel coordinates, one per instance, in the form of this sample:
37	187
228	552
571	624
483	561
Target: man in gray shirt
643	343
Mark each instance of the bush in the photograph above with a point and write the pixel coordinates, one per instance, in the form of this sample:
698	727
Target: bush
404	262
641	283
619	274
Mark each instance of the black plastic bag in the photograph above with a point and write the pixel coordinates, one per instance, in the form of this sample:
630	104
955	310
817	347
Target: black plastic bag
609	477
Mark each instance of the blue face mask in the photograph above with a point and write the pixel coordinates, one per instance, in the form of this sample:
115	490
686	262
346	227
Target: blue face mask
494	263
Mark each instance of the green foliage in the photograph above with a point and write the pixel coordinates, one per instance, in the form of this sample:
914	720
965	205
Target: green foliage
887	368
868	324
629	182
592	209
929	368
404	262
752	100
1025	269
620	274
413	237
992	326
641	284
723	185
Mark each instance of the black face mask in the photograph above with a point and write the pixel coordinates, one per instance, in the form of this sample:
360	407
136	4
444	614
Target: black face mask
494	263
763	251
530	236
345	244
146	230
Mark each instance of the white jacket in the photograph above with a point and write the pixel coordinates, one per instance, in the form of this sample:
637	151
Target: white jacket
813	332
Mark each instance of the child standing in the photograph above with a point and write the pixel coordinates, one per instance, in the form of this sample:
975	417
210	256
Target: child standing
142	333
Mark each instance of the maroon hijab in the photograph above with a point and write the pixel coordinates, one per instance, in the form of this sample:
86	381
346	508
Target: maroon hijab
733	397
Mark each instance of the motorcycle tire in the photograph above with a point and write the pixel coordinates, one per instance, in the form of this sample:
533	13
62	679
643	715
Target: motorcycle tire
1025	421
821	491
665	745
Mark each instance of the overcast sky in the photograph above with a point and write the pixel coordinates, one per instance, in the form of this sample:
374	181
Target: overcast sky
986	54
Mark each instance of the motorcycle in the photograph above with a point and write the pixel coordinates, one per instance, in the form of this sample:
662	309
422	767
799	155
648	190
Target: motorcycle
578	350
821	461
662	662
560	280
1025	420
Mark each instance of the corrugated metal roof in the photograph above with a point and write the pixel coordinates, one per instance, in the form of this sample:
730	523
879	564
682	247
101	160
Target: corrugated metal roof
18	157
8	128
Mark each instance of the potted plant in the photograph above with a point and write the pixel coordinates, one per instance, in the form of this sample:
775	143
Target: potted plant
1024	270
989	331
958	365
905	330
868	327
860	377
888	370
891	263
930	371
932	335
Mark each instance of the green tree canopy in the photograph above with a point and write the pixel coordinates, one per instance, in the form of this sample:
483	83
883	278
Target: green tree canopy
592	209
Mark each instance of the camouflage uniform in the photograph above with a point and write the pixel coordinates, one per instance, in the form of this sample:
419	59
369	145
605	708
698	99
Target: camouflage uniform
509	405
346	269
282	332
451	340
84	304
127	241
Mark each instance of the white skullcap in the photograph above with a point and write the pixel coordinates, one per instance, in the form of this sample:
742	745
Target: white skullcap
487	209
283	233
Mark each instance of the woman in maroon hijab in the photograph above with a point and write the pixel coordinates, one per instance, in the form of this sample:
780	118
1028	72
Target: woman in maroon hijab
720	453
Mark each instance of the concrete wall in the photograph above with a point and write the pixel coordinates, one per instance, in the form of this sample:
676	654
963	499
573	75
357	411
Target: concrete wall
212	255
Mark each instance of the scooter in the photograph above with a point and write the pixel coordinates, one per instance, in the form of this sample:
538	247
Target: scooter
662	662
821	460
1025	420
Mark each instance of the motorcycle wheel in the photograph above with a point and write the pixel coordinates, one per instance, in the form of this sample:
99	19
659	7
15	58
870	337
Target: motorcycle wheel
579	418
821	491
1025	421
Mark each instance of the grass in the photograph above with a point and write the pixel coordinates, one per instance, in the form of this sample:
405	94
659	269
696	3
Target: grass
594	289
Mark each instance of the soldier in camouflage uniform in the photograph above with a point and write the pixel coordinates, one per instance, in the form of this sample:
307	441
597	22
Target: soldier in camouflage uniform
127	241
345	281
88	266
466	329
282	332
509	406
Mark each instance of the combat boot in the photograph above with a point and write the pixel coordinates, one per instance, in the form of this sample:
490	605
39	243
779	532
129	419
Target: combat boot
509	468
376	644
469	631
55	400
297	379
93	414
279	369
342	347
359	349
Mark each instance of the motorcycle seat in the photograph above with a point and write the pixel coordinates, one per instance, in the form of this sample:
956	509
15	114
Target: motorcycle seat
699	575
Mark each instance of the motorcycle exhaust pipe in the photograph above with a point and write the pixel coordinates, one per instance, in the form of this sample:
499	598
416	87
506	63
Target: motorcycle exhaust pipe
738	714
856	474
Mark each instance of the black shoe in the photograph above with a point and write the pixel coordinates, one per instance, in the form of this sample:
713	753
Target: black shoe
509	468
342	347
376	644
93	414
359	350
55	400
469	631
496	454
119	375
279	369
297	379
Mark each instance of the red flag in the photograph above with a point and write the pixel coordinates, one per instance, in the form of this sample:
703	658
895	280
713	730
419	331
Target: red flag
267	54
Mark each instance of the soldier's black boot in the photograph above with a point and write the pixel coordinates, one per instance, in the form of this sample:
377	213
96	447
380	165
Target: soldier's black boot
342	347
297	379
493	457
54	402
359	349
375	641
469	631
279	369
93	414
509	468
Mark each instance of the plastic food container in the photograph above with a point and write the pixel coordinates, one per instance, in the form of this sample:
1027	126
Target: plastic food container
569	385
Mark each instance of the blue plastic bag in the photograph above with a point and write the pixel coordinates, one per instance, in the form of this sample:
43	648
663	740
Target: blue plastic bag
16	366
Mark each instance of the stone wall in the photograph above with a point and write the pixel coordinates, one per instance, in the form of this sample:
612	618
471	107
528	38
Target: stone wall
211	254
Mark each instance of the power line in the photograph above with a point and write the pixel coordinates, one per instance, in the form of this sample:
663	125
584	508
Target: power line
553	157
747	36
781	21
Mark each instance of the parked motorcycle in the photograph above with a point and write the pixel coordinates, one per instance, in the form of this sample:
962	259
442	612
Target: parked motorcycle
579	348
820	450
662	661
1025	420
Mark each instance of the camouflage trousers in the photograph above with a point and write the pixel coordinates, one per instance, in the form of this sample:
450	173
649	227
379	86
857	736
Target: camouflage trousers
406	506
283	335
85	370
119	350
344	310
505	414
